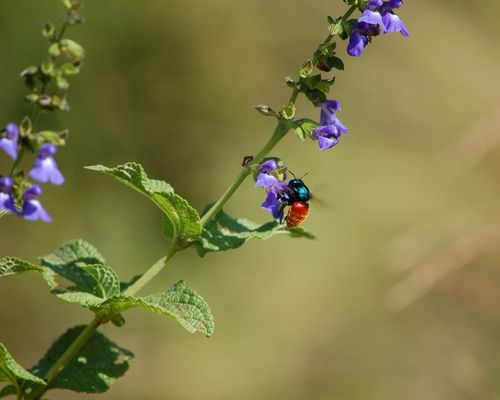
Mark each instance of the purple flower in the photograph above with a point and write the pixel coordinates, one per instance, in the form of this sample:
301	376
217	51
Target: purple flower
276	187
32	208
9	142
331	128
268	166
45	168
6	185
378	16
270	183
273	205
394	24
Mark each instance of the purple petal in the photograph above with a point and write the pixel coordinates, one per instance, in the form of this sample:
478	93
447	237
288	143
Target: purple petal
12	131
46	170
270	183
47	150
32	192
34	211
10	147
357	44
6	184
326	143
325	131
374	4
4	197
372	18
395	4
268	166
340	126
332	105
273	206
393	23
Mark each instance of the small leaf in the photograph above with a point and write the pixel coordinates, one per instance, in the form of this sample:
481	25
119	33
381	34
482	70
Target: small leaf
97	365
180	219
72	49
11	371
226	233
105	278
290	82
64	259
49	30
54	50
56	138
80	263
14	265
266	110
69	69
306	69
178	302
304	128
288	112
62	83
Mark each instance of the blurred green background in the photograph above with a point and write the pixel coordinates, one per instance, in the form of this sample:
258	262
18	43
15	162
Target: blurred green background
399	296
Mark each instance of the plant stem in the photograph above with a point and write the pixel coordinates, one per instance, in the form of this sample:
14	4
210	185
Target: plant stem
349	12
281	130
66	357
154	270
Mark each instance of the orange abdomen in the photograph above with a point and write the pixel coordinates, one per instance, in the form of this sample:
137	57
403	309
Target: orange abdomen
297	213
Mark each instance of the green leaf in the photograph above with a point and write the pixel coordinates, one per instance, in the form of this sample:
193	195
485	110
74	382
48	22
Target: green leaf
56	138
226	233
181	220
49	30
72	49
266	110
105	278
306	69
81	264
178	302
64	259
288	112
97	365
11	371
304	128
8	391
69	69
14	265
54	50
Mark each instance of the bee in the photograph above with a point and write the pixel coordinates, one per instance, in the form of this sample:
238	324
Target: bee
296	197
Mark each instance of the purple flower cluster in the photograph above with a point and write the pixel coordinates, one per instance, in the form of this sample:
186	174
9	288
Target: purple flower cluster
272	177
44	170
378	17
331	128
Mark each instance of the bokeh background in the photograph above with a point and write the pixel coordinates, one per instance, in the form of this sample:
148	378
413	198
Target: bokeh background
398	298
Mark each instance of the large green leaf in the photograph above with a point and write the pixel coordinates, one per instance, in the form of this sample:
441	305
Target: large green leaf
178	302
180	219
226	233
97	365
14	265
8	390
108	284
91	281
11	371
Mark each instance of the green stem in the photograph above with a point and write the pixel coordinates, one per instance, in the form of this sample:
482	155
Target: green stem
280	131
66	357
349	12
154	270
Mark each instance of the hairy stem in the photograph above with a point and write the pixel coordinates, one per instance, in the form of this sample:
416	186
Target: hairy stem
154	270
280	131
66	357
